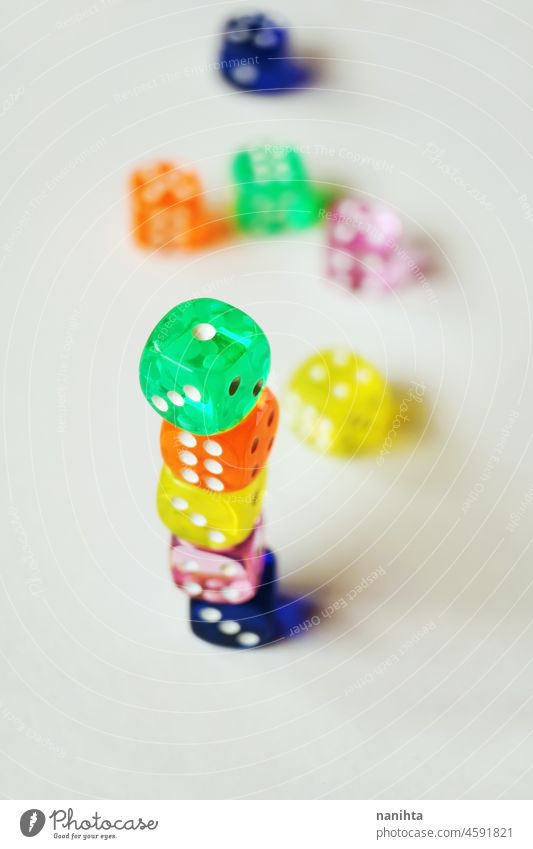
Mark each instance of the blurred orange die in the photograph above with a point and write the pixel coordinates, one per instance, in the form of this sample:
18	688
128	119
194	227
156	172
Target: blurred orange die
168	209
229	460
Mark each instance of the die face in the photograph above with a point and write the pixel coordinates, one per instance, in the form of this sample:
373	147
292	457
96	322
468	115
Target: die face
362	227
226	461
211	520
339	403
167	206
254	36
255	56
248	625
273	191
230	576
204	365
246	628
270	165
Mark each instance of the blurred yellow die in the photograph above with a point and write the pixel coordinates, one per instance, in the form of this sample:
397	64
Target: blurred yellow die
339	403
216	520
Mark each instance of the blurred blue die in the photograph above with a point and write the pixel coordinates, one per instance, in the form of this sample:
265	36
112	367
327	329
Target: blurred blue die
255	56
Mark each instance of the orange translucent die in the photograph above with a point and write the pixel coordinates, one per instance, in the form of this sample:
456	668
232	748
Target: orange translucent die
215	520
224	461
168	209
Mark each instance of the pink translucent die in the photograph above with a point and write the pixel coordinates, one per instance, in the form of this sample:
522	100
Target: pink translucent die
364	247
220	577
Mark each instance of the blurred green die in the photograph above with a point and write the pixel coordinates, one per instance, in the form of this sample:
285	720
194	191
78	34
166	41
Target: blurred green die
273	190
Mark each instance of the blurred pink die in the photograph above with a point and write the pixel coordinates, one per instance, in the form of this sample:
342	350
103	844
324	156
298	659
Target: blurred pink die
364	246
230	576
362	227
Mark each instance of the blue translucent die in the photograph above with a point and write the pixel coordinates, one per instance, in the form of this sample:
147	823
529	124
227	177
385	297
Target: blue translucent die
204	366
256	56
266	618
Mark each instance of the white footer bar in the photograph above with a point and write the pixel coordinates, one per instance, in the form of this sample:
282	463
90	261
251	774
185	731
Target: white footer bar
268	824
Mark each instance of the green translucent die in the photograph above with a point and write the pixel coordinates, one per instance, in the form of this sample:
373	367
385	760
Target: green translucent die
204	365
273	190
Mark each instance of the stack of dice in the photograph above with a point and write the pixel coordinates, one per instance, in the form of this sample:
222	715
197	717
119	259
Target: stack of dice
204	370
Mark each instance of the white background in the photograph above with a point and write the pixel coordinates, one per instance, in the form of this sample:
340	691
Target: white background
105	693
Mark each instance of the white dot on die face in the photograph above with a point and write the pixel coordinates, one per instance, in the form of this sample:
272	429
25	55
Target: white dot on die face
213	448
229	627
189	475
341	356
213	466
323	436
348	208
344	232
245	74
188	458
179	503
176	398
378	237
248	638
190	566
362	375
372	262
215	484
229	569
192	589
345	278
340	261
216	536
317	372
187	439
210	614
266	38
160	403
198	519
340	390
204	332
237	35
232	594
192	393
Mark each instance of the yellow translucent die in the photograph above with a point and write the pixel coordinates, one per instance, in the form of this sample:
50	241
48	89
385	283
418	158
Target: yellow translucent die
339	403
215	520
